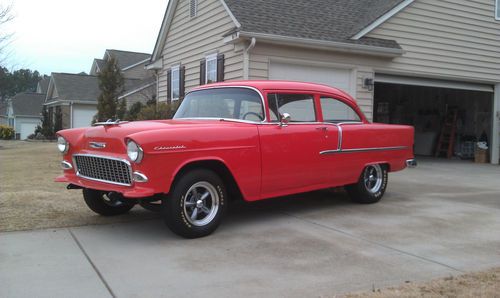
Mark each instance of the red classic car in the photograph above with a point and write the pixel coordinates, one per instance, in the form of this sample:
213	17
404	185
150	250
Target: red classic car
250	139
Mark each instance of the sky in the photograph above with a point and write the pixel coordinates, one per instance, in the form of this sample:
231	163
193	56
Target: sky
66	35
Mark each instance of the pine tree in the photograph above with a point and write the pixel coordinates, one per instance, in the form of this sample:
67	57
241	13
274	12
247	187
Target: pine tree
111	85
122	109
47	128
58	120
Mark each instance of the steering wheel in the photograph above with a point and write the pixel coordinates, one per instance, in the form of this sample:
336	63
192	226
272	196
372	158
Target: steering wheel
252	113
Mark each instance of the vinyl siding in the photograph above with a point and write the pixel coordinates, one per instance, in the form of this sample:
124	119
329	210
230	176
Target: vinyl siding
137	72
262	54
455	39
190	39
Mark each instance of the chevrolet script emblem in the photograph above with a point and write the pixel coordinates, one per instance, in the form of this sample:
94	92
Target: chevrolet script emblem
97	145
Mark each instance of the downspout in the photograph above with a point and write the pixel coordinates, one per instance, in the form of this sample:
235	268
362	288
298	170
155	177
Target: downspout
71	114
246	59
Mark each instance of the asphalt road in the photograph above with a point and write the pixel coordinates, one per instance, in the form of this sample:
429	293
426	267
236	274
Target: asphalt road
439	219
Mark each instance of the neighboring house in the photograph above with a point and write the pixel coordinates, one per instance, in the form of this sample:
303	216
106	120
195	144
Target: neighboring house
24	113
405	61
75	95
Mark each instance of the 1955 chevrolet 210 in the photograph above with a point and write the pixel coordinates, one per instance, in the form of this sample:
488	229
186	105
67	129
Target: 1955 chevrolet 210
250	140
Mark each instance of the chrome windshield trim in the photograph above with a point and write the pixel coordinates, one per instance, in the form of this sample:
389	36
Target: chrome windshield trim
357	150
105	157
225	87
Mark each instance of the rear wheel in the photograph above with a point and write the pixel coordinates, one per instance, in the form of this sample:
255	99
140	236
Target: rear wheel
196	204
371	185
106	203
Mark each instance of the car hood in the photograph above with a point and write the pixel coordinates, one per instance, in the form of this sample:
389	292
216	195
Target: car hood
112	138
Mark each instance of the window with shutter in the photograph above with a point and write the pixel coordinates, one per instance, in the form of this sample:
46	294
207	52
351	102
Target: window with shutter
182	82
169	85
220	68
193	8
211	69
175	83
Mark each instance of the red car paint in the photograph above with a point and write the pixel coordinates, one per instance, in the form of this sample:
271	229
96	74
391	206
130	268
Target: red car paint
265	159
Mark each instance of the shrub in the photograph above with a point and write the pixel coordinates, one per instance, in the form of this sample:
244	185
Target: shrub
155	111
6	132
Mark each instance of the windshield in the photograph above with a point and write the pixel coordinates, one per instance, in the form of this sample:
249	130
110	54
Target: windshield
230	103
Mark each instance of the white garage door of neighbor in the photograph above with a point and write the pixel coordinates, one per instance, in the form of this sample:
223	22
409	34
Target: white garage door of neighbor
83	115
27	129
335	77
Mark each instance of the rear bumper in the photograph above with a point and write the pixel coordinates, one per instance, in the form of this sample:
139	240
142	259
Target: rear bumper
411	163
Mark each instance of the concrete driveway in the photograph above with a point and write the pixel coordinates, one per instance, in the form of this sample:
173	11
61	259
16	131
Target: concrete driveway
439	219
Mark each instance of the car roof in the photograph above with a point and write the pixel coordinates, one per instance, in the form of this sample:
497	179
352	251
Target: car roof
281	85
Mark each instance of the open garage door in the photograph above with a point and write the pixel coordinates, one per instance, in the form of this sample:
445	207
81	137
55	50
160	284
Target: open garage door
335	77
428	104
83	115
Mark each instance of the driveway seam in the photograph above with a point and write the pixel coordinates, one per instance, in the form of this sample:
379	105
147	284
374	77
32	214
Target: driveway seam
101	277
372	242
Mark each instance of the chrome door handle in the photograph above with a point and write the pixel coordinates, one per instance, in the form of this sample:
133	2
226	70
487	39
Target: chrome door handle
323	128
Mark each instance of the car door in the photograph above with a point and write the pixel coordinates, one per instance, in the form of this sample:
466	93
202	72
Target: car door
337	114
290	153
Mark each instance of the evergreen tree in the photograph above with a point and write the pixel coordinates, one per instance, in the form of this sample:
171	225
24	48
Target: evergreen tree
111	85
47	128
122	109
58	120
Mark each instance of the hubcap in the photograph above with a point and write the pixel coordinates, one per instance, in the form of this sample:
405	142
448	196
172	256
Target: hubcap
201	203
372	177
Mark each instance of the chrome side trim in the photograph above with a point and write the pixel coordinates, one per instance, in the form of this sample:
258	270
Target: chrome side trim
100	180
357	150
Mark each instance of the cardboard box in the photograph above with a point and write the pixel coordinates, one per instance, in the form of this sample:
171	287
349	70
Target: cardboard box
481	155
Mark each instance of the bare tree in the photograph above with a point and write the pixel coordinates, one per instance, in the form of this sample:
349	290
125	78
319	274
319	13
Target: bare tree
5	17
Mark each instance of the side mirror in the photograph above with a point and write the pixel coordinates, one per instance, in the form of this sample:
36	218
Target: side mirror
285	119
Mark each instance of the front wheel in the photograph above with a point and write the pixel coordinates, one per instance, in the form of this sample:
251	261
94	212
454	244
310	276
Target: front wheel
196	204
371	185
105	203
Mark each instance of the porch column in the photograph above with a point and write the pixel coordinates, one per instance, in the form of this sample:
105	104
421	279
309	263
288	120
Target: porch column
495	143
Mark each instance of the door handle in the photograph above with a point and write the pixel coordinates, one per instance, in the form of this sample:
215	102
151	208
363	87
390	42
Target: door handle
323	128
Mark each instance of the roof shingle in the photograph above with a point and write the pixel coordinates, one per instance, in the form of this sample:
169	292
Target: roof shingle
27	104
328	20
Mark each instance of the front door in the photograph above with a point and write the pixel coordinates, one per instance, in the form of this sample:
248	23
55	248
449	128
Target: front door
291	158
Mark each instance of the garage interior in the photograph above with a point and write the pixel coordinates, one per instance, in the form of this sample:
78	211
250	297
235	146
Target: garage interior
467	113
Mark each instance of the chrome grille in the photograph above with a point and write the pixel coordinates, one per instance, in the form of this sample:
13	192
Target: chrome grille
104	169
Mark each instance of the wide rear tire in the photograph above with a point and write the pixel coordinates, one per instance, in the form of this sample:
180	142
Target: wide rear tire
196	204
371	185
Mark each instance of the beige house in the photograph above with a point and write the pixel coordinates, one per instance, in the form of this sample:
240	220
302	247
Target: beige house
405	61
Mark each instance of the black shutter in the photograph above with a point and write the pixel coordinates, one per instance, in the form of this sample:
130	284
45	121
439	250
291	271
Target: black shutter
203	67
220	68
169	85
182	81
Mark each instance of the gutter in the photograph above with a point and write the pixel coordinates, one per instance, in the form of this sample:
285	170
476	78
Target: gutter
320	44
246	59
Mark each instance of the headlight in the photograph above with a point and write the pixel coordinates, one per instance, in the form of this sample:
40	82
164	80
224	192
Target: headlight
134	152
62	145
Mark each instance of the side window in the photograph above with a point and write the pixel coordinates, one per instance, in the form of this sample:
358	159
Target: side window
299	106
335	110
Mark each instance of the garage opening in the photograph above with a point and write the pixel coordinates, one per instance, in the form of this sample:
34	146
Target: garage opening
440	116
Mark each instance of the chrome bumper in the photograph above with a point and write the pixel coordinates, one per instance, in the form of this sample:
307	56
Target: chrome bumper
411	163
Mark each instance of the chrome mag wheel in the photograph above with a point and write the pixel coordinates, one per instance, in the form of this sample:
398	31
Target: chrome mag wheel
373	178
201	203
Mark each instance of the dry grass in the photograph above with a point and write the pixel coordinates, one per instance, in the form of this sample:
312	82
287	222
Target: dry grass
471	285
29	197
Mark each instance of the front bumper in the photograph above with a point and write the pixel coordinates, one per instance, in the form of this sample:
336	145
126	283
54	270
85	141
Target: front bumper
411	163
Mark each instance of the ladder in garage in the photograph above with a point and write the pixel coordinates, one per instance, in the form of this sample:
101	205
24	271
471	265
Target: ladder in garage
446	141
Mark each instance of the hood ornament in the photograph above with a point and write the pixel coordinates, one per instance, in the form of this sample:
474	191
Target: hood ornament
109	122
97	145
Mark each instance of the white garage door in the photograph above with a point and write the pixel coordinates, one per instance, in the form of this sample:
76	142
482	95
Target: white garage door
83	115
335	77
27	129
